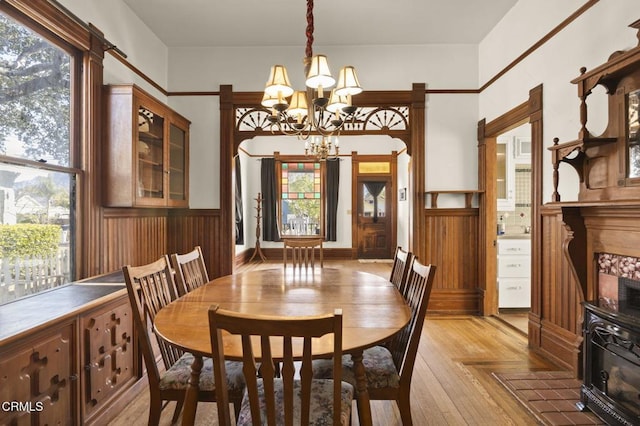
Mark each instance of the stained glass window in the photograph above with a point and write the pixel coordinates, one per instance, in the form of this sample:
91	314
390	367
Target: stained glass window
300	185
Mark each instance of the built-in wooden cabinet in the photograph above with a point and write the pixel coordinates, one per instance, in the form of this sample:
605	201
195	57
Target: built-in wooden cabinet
107	348
40	374
146	151
67	356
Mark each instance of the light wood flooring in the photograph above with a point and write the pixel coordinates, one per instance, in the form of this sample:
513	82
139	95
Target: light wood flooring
452	380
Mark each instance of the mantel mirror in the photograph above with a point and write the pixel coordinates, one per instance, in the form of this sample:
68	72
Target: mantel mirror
633	134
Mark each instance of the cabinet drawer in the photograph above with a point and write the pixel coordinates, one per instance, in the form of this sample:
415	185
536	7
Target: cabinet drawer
514	266
514	293
514	246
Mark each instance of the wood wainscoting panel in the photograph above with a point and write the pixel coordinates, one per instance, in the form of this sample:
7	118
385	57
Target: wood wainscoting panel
560	315
133	237
202	227
451	240
140	236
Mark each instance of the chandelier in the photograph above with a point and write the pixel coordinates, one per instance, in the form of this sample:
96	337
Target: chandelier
317	110
322	147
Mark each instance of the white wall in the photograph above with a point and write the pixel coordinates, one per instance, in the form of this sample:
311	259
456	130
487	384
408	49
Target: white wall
588	42
124	29
451	119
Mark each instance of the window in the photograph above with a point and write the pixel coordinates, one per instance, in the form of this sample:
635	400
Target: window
301	198
37	174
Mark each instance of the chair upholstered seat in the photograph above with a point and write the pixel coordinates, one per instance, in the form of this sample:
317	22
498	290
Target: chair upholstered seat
389	368
321	410
378	363
177	377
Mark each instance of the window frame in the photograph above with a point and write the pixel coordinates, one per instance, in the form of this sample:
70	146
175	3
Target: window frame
64	32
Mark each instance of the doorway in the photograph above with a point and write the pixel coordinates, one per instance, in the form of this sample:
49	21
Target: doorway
374	218
488	132
513	230
374	205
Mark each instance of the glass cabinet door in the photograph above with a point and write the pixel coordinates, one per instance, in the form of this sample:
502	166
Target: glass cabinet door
177	163
150	154
505	176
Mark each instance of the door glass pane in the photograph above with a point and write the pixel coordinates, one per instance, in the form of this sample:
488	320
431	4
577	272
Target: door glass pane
372	205
381	205
150	154
177	163
367	202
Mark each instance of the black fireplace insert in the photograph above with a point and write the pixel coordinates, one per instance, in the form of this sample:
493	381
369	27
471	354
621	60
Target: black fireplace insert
611	386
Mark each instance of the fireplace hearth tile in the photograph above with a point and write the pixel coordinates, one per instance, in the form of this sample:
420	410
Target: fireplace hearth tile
551	396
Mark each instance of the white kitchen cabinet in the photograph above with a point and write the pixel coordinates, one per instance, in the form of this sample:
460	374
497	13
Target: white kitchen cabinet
514	273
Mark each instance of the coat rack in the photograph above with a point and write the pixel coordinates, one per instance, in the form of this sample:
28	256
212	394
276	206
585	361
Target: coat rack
258	249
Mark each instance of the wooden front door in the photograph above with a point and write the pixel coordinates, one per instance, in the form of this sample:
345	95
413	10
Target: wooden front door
375	218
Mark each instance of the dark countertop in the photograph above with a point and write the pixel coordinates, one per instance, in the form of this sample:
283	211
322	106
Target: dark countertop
31	312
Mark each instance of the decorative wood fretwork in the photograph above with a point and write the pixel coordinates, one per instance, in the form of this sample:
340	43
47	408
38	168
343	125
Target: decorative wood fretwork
388	120
108	347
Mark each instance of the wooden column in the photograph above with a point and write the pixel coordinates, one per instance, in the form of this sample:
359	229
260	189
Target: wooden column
416	150
227	151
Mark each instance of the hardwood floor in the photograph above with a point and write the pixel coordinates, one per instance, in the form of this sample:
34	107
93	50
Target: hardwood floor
452	381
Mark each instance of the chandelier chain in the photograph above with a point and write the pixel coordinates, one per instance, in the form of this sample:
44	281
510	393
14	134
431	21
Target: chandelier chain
309	30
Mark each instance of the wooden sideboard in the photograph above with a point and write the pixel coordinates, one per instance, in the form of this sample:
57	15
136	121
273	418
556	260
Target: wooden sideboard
68	354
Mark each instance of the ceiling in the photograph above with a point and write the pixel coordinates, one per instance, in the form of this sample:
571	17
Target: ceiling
236	23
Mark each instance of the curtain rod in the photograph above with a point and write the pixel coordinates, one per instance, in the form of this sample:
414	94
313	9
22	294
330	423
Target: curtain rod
77	20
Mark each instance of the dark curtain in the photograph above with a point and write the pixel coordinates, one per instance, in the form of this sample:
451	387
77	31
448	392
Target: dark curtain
239	207
375	188
333	181
269	200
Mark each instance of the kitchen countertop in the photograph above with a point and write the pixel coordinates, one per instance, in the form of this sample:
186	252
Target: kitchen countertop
514	237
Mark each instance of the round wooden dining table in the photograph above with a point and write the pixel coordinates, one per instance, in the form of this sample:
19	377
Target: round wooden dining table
373	311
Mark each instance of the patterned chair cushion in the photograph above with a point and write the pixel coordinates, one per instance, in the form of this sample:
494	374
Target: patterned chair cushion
321	412
177	377
378	365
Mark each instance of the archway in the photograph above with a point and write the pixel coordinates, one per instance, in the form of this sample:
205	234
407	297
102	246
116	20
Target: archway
398	114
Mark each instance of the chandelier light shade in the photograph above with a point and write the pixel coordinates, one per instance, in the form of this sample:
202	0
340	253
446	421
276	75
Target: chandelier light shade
319	75
337	102
298	107
278	83
348	83
317	110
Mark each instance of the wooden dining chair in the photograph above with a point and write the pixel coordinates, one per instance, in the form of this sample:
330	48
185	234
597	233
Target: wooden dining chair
284	400
150	288
402	262
389	368
190	270
303	252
